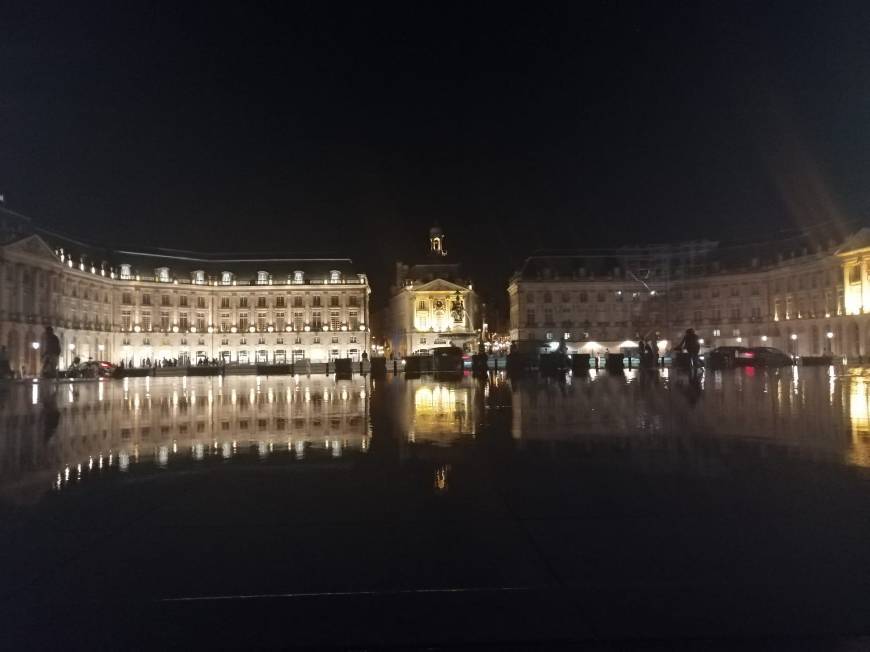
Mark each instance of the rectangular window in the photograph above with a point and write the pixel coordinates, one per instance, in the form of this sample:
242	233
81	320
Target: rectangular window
530	317
422	305
261	302
225	302
225	322
261	321
548	317
280	321
353	320
164	320
298	320
316	321
334	320
353	301
334	301
126	323
280	302
183	323
353	339
243	321
146	299
164	300
243	302
146	320
315	301
182	301
127	299
855	274
297	302
200	302
200	322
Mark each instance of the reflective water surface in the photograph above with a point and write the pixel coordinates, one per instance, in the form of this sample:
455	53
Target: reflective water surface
641	487
57	434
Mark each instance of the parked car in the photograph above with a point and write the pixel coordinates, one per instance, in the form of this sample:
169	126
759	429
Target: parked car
763	356
95	369
725	356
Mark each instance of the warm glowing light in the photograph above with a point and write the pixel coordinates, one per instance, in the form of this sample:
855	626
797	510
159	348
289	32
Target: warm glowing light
794	336
251	329
72	347
193	329
764	338
35	345
233	329
175	329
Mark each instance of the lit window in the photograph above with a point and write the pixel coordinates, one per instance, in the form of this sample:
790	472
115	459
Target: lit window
125	271
334	276
298	277
262	278
226	278
198	277
162	274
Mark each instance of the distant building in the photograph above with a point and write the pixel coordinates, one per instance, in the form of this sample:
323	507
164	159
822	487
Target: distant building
805	294
137	306
432	304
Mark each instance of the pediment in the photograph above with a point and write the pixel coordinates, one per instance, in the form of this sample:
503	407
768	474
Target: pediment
858	241
35	246
439	285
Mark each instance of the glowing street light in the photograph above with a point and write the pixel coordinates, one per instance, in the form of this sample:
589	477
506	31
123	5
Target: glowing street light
35	345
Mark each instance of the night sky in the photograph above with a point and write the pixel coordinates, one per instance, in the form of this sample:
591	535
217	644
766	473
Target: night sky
352	130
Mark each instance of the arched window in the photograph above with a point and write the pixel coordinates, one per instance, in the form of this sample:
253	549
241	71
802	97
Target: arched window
125	270
334	276
162	274
298	277
198	277
226	278
262	278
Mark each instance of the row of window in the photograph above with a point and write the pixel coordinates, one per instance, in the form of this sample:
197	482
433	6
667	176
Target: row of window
242	302
225	322
199	277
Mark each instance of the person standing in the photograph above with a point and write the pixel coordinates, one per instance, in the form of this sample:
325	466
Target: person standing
50	353
691	344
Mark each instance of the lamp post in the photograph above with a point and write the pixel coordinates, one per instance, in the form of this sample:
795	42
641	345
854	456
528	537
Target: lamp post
829	344
794	346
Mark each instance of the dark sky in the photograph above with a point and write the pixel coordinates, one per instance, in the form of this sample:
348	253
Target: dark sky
351	130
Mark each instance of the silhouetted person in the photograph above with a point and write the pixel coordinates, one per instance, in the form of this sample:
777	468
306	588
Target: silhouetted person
691	344
5	368
50	353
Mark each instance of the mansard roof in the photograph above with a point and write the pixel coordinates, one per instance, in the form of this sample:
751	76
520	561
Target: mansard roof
181	263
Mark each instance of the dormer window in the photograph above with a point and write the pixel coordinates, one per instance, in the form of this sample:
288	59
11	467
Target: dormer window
262	278
126	271
334	276
226	278
298	277
198	277
162	274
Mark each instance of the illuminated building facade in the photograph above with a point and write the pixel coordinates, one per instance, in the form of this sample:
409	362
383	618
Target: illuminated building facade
432	304
140	307
798	295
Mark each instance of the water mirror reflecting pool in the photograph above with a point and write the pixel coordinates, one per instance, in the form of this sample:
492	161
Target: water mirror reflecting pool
689	491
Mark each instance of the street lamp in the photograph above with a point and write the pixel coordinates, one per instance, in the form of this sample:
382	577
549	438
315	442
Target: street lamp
830	336
794	344
35	345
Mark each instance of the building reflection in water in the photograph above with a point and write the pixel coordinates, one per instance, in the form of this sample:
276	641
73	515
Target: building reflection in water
52	435
813	411
439	411
66	430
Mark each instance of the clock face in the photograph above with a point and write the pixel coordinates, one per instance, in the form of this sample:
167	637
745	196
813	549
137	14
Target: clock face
439	304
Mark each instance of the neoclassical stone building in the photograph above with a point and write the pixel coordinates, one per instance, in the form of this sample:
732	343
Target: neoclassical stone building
140	306
432	305
801	294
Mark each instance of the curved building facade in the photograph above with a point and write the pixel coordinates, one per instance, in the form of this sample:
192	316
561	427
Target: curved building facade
803	296
145	307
